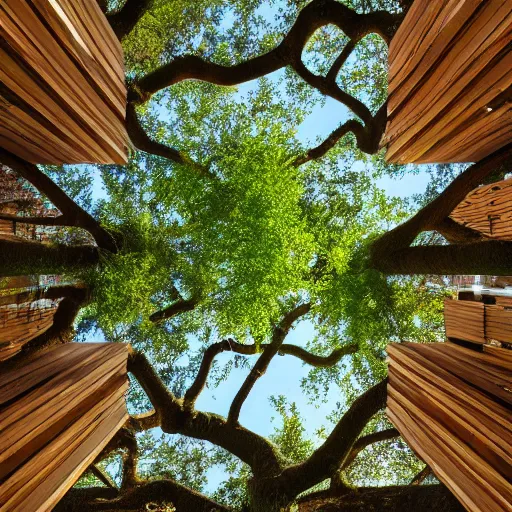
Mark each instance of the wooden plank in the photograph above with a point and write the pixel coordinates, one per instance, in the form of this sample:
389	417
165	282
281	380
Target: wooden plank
463	431
448	61
62	61
52	433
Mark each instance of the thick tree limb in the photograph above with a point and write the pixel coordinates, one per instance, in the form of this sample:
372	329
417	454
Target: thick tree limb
72	214
142	141
231	345
259	369
124	20
425	498
456	233
315	15
178	307
435	213
491	257
160	491
340	60
59	220
142	422
20	257
130	461
260	454
337	447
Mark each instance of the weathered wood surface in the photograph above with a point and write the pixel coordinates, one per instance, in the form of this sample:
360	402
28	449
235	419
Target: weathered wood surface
450	73
57	412
488	209
464	320
478	322
62	85
20	323
452	405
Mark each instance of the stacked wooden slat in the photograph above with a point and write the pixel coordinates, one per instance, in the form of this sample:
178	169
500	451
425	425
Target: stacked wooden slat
452	406
498	323
57	412
488	209
20	323
62	85
464	320
450	65
478	322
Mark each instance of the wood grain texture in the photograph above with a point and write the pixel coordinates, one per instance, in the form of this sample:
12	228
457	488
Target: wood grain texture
58	410
20	323
450	79
488	209
464	320
477	322
452	405
62	85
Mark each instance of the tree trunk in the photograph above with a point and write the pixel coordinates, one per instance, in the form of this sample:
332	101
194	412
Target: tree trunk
419	498
22	257
484	258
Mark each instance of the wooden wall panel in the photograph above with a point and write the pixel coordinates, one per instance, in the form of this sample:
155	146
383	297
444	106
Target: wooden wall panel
452	405
450	73
62	84
57	412
488	209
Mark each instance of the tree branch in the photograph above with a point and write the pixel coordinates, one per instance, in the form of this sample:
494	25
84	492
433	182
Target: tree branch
59	220
456	233
259	369
337	447
340	60
160	491
434	214
260	454
102	476
73	214
20	257
363	442
420	477
491	257
322	149
331	89
178	307
124	20
130	461
143	142
231	345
